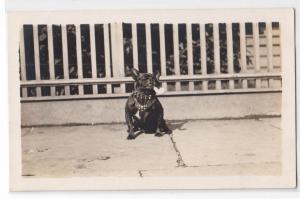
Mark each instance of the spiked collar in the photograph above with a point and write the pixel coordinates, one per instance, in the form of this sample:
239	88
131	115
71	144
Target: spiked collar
143	100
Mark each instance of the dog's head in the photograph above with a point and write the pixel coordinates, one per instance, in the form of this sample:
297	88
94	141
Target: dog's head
145	81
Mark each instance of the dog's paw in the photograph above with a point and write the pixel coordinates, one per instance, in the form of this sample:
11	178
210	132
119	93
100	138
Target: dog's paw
165	131
159	134
131	137
169	131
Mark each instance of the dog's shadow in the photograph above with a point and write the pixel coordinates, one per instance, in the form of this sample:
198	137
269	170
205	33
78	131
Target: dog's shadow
139	133
177	125
173	125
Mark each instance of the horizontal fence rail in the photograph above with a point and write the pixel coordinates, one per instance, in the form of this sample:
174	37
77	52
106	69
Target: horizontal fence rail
74	61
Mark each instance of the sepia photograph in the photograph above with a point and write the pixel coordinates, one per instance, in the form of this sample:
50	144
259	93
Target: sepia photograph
201	98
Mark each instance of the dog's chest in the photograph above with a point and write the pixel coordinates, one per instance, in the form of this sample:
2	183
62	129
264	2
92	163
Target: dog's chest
137	114
141	110
143	103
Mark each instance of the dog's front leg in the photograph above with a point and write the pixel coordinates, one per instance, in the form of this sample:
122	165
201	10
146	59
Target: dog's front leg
162	126
129	121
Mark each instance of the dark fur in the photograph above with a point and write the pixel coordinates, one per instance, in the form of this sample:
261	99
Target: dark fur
144	100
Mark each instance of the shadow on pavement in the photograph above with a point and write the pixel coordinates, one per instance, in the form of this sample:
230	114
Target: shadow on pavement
177	125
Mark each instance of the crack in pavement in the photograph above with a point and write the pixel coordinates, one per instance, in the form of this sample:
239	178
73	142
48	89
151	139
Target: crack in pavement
269	124
240	164
275	127
141	173
27	132
180	162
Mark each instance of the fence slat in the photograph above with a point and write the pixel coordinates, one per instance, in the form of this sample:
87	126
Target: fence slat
114	50
176	54
256	52
79	57
93	51
162	46
270	50
106	50
135	46
117	52
176	49
121	53
65	56
79	51
243	62
22	56
108	88
51	57
116	44
149	48
270	45
203	54
36	58
93	56
107	56
50	51
23	62
230	53
217	53
190	53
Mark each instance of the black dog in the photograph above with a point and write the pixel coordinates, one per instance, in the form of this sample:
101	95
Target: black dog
143	111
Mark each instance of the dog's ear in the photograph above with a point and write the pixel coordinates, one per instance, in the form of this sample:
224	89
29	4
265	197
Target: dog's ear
157	75
135	73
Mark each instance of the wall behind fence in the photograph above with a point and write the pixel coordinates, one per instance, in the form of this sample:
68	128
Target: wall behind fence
71	61
93	111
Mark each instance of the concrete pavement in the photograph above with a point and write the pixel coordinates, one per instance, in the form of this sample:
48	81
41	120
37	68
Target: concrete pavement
196	148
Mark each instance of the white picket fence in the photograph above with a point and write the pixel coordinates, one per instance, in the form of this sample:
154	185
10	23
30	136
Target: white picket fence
261	74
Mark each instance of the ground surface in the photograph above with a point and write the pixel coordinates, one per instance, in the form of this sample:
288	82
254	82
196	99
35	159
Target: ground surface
196	147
